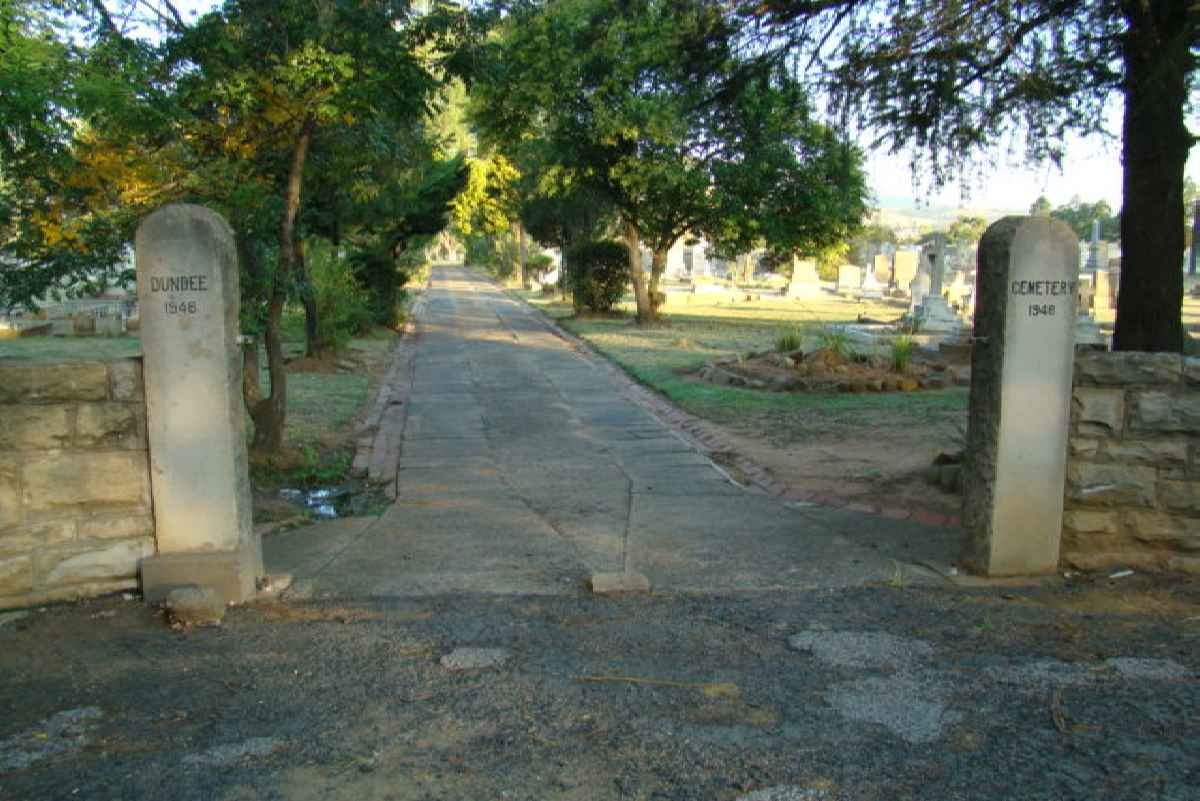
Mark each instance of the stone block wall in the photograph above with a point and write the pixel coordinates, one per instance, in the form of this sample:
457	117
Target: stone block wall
75	509
1133	465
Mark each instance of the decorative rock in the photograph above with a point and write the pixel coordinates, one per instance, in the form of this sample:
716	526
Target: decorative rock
610	583
1166	413
1111	484
1161	529
1182	496
1121	368
16	575
195	606
466	658
1105	407
1089	522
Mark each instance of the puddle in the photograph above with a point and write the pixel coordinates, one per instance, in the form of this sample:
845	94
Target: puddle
328	503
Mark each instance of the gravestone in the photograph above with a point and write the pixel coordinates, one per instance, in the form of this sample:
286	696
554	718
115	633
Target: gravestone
1021	369
1104	290
849	279
805	283
935	314
882	269
187	278
918	289
872	287
1097	250
904	268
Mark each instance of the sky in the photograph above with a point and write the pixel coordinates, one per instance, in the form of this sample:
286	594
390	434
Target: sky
1091	171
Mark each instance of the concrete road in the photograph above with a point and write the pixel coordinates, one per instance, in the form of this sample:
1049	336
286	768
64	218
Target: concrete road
525	467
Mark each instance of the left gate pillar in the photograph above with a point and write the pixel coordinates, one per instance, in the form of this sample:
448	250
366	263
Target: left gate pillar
187	280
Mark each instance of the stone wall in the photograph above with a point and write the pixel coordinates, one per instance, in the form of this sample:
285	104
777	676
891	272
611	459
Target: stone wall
1133	469
75	510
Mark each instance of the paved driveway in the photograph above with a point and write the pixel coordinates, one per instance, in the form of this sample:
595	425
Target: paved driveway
526	466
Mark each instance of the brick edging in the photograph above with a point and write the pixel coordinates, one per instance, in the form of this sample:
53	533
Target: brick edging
707	438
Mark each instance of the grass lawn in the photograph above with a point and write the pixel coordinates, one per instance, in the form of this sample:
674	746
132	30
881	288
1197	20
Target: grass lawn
700	329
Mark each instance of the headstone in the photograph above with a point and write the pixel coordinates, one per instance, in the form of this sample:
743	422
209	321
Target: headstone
804	283
1104	289
882	269
1021	370
849	279
918	290
872	287
187	277
110	326
904	268
935	261
935	314
1097	250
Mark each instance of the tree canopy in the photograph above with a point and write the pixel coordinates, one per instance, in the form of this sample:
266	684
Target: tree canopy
651	102
952	81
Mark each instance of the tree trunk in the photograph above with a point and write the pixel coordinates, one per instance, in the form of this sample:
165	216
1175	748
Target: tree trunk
658	266
521	255
270	414
1195	239
315	345
1157	57
562	272
514	231
641	294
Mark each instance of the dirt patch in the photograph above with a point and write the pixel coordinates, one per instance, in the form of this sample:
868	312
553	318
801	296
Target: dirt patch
875	463
830	370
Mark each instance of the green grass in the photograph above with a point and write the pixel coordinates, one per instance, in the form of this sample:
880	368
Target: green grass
70	348
665	358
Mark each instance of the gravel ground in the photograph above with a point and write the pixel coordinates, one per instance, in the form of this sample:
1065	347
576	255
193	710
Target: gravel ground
1082	692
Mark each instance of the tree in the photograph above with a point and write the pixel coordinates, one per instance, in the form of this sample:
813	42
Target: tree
226	112
1040	207
966	230
649	101
950	79
1081	216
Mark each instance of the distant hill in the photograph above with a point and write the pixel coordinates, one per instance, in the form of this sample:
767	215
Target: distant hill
911	219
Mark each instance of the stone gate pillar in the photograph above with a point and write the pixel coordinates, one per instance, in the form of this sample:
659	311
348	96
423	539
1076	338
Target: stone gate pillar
187	278
1021	368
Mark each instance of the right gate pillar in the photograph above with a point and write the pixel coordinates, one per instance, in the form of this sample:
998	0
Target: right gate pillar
1014	467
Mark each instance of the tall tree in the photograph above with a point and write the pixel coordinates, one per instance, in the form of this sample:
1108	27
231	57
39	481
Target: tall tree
633	96
952	78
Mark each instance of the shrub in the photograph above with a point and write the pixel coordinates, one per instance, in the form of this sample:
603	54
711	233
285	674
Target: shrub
343	305
599	274
377	273
902	351
790	340
835	340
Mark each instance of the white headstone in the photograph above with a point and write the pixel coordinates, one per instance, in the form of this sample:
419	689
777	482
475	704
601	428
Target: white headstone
187	276
849	278
918	290
872	287
1021	371
805	283
904	268
882	268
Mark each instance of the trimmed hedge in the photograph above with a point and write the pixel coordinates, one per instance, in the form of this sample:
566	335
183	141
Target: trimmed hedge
598	274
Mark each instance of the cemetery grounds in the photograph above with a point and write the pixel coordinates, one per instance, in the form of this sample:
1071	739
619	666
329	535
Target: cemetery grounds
874	448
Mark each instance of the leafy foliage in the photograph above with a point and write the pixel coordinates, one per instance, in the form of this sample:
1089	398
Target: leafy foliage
599	275
950	83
